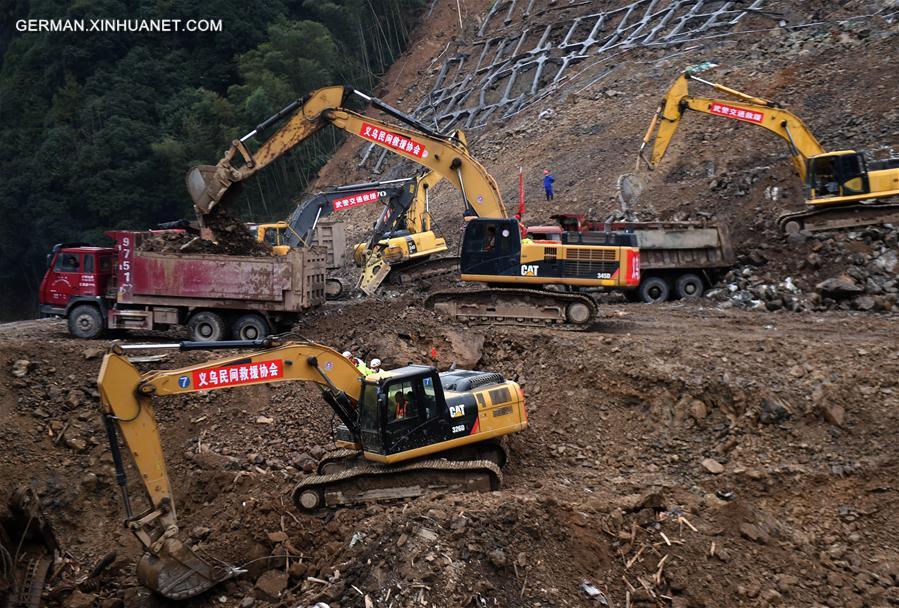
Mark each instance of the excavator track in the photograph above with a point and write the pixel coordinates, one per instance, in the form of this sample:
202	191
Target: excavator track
832	218
410	272
338	460
517	307
493	450
371	483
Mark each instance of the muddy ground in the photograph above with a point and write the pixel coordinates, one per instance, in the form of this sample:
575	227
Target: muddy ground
677	455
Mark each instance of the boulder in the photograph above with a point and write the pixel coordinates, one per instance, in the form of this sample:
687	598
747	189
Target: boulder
842	286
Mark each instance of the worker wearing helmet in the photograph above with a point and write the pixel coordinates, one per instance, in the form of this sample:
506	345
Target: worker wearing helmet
375	365
359	363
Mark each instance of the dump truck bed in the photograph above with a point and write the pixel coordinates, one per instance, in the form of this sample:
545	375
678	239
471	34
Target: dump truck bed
288	283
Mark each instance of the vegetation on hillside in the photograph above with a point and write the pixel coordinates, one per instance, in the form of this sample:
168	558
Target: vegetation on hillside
99	128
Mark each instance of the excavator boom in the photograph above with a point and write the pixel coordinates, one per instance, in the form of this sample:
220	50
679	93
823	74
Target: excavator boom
404	433
169	567
842	191
446	155
748	109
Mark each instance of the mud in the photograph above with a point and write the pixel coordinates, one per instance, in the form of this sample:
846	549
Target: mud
798	411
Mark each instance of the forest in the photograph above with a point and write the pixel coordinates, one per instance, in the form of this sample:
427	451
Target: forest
100	128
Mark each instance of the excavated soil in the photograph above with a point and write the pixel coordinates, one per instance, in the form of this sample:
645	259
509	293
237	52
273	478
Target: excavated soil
681	455
676	456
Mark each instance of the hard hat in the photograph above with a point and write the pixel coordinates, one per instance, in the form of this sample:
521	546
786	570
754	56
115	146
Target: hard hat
347	354
376	362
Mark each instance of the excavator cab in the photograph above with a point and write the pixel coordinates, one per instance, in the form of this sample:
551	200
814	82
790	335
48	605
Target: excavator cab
402	410
842	173
491	247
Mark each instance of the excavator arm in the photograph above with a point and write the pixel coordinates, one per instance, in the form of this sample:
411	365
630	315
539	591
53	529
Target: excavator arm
753	110
445	155
126	396
396	195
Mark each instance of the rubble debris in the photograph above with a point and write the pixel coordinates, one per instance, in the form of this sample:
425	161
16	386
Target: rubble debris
232	238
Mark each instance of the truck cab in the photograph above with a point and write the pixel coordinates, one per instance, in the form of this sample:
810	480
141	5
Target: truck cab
76	273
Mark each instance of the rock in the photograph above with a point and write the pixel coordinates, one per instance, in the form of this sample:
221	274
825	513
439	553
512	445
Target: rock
317	452
277	537
864	303
754	533
247	602
21	367
712	466
75	397
887	262
772	596
297	570
264	420
89	482
497	557
271	585
841	286
698	409
75	443
200	532
834	413
92	353
39	413
77	599
786	582
773	412
757	258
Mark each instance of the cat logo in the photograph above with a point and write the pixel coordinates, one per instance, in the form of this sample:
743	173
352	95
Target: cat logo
528	270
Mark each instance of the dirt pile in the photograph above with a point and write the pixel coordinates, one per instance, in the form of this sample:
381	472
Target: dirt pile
771	436
232	237
843	270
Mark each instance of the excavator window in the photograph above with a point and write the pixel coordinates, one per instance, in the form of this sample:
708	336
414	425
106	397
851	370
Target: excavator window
369	420
273	236
839	175
415	412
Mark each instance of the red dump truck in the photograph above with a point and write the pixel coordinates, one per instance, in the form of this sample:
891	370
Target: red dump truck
677	259
216	296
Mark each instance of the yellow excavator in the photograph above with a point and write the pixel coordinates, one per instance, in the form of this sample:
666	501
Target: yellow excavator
405	433
493	250
402	238
842	188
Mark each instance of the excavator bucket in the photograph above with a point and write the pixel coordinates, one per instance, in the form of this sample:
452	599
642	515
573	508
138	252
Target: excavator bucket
209	185
175	572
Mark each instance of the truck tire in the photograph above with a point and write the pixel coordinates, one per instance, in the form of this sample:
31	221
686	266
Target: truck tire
206	326
86	322
689	285
251	327
654	290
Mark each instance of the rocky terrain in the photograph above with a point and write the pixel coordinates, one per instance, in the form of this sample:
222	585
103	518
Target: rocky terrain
752	463
738	450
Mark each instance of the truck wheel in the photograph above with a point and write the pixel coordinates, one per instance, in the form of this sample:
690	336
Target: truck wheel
207	326
251	327
653	290
85	321
689	286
